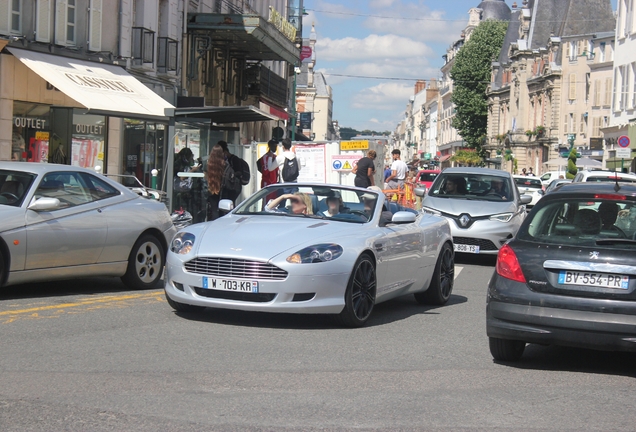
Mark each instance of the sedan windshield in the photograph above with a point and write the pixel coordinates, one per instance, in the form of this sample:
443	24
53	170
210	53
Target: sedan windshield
14	186
473	187
589	222
319	202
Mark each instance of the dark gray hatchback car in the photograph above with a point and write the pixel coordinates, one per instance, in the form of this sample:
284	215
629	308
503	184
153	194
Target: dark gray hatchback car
569	275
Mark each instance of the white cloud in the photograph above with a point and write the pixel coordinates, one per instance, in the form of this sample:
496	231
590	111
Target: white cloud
372	46
381	4
386	96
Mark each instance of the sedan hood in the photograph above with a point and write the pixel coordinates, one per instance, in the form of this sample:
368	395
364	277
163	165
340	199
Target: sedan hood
475	208
12	217
265	236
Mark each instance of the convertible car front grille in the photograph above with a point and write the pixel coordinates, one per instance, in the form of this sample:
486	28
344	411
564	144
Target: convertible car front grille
235	268
484	245
239	296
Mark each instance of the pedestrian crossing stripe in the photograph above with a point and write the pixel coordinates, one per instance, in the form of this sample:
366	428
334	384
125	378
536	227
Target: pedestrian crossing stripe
347	166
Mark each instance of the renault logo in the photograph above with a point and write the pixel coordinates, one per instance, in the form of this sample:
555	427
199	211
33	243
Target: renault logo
464	220
594	255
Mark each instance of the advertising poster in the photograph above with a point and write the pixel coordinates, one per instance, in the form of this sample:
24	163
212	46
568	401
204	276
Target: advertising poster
312	163
39	148
87	153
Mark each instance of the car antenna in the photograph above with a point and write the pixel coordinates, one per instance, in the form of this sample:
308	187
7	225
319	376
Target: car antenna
617	186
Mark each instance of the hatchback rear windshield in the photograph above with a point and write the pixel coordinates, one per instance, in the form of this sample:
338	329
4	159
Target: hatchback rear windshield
428	177
590	222
610	179
536	183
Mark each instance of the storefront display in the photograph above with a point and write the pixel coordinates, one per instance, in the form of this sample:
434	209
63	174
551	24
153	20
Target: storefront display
31	132
87	145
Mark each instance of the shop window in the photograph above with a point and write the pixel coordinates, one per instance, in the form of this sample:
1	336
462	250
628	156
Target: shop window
167	54
88	139
143	49
31	132
11	17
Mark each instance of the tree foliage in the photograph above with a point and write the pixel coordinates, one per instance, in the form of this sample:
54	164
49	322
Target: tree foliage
572	170
471	74
467	157
346	133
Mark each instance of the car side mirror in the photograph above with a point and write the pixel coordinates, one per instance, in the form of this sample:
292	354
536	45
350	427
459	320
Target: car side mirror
226	205
525	199
403	217
420	191
45	204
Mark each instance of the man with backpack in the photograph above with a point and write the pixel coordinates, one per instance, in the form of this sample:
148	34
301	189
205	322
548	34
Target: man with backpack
235	176
268	167
289	166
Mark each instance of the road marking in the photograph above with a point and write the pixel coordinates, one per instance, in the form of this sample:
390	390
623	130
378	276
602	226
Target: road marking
458	270
85	304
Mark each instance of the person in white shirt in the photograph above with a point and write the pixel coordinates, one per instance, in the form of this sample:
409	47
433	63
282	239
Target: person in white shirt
398	171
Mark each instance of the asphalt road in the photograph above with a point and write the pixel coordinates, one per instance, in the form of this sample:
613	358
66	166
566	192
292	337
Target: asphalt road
88	355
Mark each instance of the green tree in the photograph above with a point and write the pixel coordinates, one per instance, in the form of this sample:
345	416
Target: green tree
471	75
346	133
572	170
467	157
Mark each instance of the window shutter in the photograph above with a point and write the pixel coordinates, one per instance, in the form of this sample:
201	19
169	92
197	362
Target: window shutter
572	92
61	10
607	100
596	127
5	17
125	37
174	31
95	26
43	21
582	124
567	50
597	93
565	124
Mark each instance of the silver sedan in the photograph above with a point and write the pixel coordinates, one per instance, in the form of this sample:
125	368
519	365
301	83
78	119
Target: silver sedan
59	222
324	249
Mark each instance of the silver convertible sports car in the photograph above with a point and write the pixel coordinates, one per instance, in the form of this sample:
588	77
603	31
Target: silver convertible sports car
60	222
315	248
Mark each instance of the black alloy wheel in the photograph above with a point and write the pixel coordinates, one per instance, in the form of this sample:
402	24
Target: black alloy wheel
441	287
360	293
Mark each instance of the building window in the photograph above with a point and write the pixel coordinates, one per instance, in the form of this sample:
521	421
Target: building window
572	89
143	45
601	51
167	54
16	13
596	101
624	73
596	127
70	22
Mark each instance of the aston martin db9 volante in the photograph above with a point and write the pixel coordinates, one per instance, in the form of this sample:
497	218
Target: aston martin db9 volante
60	221
324	249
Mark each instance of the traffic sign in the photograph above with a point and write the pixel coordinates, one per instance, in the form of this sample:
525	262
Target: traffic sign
623	141
354	145
623	153
344	162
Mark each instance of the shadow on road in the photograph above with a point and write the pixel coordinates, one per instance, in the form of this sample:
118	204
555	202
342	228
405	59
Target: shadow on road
384	313
84	286
566	359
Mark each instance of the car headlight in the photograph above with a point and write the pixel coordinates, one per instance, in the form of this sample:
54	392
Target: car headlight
316	254
431	211
503	217
182	243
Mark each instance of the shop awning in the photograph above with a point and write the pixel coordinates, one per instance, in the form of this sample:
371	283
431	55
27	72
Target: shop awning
101	88
445	158
226	114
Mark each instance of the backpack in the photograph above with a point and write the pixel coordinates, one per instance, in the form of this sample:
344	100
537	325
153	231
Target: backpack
290	170
268	177
231	182
241	168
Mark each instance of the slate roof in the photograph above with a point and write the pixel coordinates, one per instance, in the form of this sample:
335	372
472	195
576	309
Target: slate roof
512	35
494	9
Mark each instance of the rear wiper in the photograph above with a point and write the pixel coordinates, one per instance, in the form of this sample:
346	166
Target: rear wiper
608	241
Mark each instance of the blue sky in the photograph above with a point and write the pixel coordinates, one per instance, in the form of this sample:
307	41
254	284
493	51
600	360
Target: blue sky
399	39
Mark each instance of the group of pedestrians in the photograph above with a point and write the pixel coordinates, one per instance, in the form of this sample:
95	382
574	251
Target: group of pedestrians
395	175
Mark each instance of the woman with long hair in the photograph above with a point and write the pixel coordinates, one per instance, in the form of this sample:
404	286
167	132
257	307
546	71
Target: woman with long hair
214	177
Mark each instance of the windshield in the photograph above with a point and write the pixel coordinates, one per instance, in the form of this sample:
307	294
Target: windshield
320	202
473	186
14	186
129	181
590	222
428	176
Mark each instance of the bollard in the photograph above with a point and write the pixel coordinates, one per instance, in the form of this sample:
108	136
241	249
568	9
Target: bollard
153	183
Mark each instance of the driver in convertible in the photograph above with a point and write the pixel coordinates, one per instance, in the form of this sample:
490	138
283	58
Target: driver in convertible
300	203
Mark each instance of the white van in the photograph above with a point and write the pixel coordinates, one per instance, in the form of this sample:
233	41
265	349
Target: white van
547	178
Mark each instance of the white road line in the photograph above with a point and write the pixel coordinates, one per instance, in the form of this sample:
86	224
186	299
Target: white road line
458	270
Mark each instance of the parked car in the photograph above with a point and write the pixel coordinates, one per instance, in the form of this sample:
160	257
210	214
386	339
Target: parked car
483	207
548	177
61	221
297	258
133	183
426	178
604	176
569	275
531	186
556	183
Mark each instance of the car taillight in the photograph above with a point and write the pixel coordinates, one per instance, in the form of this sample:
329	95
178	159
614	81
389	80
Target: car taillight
508	265
610	197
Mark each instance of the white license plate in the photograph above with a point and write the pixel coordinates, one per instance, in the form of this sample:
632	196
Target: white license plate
601	280
236	285
466	248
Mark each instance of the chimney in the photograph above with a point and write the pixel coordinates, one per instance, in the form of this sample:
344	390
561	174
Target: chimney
419	86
